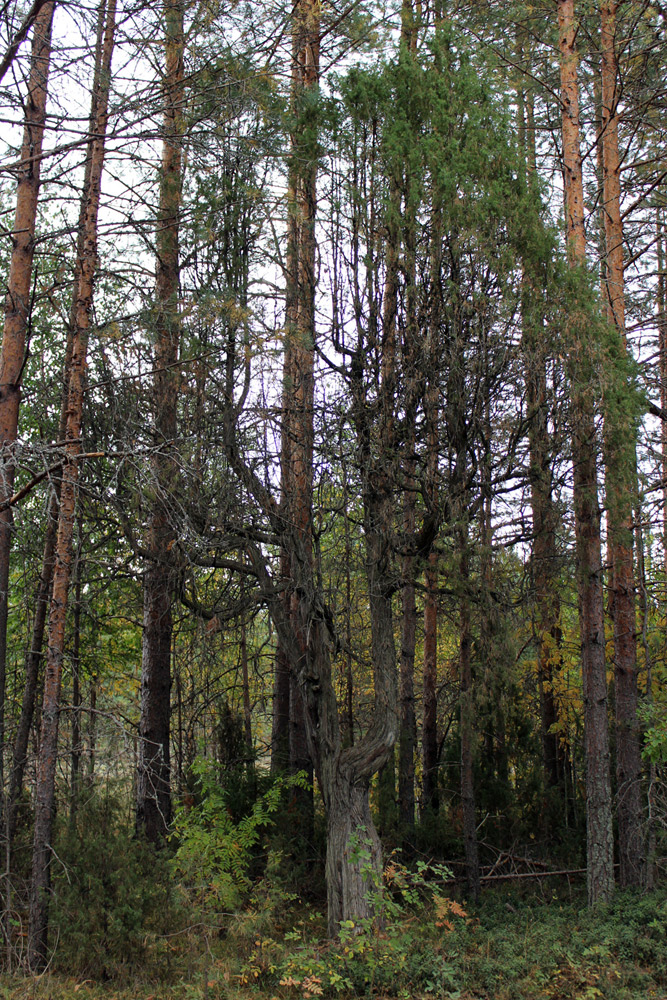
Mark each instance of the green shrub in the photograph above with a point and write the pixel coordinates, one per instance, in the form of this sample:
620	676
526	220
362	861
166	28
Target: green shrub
215	851
112	897
397	954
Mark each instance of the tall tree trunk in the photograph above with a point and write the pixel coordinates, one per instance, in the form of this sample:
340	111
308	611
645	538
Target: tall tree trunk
458	436
621	463
467	723
17	311
153	777
430	798
301	351
353	851
407	738
76	681
298	387
544	554
662	348
86	265
413	388
33	659
599	839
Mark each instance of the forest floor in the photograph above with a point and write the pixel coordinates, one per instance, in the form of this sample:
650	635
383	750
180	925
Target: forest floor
536	944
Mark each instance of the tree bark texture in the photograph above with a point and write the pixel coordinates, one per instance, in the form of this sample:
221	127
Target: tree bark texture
154	775
432	403
33	661
18	308
86	265
407	731
621	463
599	839
467	728
298	390
544	554
34	655
662	343
411	357
76	683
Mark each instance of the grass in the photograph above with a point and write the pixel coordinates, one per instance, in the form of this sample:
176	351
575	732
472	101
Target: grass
516	945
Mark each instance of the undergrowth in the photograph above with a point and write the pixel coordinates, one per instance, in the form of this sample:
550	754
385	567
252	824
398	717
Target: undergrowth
212	917
516	945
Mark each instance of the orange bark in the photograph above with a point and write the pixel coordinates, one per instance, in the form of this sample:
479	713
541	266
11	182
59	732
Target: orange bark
621	465
86	265
599	843
289	732
17	305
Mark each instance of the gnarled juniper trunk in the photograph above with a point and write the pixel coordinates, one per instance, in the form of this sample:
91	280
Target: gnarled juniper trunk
354	852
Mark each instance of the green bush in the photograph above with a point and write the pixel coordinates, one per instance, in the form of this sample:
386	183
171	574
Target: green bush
397	954
214	850
112	897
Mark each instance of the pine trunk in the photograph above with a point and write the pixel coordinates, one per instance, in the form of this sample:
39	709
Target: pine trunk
544	555
154	772
76	686
17	310
407	731
298	389
430	798
599	842
82	313
354	853
33	660
467	727
621	462
411	358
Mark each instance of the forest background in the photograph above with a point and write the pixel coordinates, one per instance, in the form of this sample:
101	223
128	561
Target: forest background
333	401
